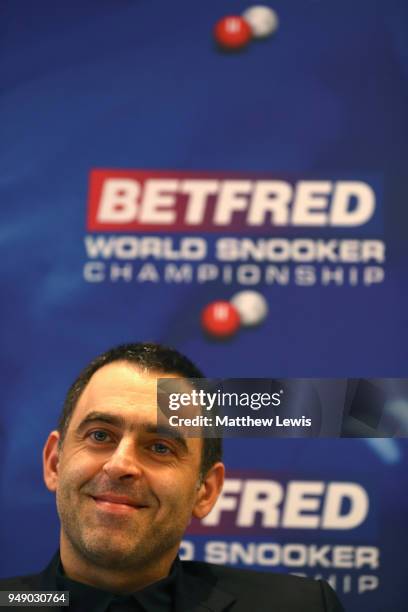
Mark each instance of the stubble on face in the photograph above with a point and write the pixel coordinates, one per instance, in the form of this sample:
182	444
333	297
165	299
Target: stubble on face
117	541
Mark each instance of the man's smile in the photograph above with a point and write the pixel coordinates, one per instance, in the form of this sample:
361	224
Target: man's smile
119	504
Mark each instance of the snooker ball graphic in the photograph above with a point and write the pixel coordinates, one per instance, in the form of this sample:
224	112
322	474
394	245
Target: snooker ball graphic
220	319
262	20
232	33
251	306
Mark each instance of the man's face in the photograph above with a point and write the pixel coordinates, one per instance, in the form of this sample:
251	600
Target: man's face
125	494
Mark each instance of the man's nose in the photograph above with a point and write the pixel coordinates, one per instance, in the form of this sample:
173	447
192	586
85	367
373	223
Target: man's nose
124	461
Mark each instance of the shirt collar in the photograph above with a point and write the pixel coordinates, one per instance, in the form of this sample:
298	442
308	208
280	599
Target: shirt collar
160	596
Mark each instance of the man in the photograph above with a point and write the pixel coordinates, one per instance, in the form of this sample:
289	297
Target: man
126	492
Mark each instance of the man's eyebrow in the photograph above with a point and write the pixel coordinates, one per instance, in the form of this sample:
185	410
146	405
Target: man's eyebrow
120	422
104	417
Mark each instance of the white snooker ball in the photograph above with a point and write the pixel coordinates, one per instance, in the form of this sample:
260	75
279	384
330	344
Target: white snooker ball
251	306
262	20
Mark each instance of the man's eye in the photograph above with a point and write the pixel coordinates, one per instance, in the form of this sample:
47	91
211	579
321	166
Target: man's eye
100	436
160	448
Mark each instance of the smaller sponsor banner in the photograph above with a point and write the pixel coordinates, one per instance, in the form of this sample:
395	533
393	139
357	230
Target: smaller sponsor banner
316	526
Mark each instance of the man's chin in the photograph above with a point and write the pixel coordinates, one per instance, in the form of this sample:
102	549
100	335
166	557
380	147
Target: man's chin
110	555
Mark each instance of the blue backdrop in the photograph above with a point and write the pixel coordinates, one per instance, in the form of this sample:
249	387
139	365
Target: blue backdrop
139	86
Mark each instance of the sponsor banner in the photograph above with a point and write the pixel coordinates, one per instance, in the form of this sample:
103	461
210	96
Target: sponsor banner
260	407
183	227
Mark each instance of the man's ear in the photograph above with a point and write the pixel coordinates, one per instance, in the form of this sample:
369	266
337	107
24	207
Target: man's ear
50	460
209	490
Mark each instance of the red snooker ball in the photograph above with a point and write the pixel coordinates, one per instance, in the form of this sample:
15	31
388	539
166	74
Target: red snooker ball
220	319
232	32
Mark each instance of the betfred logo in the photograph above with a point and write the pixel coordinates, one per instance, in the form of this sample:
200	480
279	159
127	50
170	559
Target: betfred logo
146	201
262	503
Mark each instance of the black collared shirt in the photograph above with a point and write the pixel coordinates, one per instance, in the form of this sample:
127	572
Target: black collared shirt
162	596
